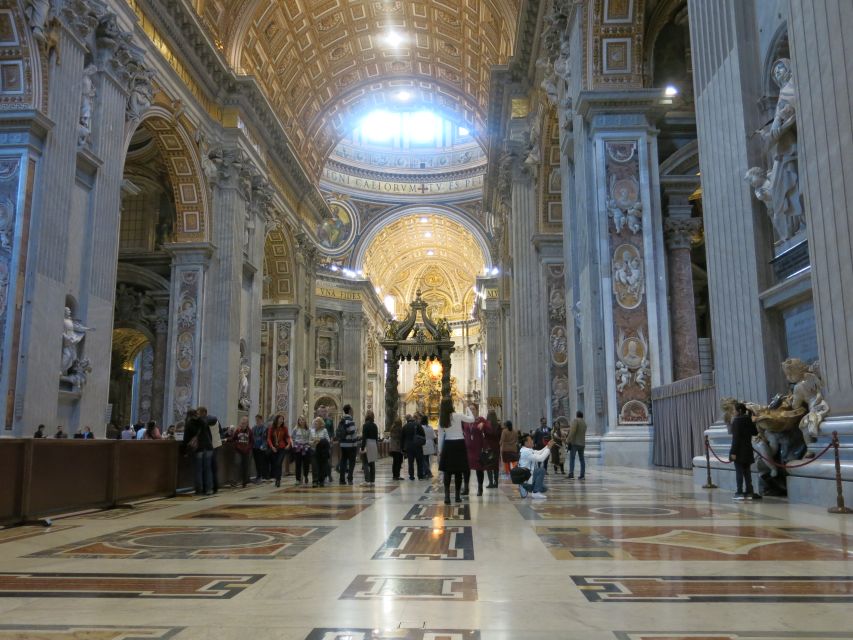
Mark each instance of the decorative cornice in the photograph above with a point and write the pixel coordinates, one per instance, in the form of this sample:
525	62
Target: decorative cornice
647	101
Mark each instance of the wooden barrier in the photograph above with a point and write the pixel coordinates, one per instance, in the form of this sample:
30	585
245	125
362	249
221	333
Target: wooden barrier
47	477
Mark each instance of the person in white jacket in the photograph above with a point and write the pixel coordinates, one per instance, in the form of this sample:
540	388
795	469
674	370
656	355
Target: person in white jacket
528	458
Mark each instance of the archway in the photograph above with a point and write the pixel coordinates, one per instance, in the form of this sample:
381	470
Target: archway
164	204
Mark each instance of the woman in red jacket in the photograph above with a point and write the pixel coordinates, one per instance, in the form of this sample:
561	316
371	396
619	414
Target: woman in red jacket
475	441
278	441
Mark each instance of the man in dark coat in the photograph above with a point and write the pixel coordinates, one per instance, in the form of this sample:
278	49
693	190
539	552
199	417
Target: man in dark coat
743	430
413	439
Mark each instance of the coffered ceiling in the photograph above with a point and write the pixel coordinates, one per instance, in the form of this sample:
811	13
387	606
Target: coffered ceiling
323	63
428	252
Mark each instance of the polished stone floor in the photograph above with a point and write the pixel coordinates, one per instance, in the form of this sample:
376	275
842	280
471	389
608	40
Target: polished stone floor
625	554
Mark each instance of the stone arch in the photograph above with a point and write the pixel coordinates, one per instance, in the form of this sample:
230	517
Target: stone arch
278	267
180	155
371	230
661	16
23	59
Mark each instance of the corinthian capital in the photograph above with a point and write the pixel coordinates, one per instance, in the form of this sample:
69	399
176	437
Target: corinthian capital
682	233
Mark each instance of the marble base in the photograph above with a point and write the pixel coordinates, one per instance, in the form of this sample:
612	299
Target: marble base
628	449
818	488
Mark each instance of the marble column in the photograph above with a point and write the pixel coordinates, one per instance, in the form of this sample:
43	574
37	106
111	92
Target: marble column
350	360
186	326
681	232
161	355
819	33
232	194
305	280
530	401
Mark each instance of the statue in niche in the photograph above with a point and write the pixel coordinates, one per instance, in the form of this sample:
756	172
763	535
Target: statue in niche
73	333
779	188
87	107
244	402
38	14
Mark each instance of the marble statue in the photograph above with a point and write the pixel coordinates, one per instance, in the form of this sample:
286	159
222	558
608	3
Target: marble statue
73	333
643	374
244	402
38	15
615	213
779	188
623	376
87	107
141	93
634	214
785	423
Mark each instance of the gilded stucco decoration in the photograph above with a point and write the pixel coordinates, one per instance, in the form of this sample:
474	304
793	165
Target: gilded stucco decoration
430	253
321	63
278	267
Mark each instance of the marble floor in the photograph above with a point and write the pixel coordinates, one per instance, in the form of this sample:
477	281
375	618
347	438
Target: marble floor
625	554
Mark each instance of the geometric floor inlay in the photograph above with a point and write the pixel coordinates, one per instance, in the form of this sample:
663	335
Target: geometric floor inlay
117	514
217	542
393	634
444	512
693	543
427	543
22	533
124	585
733	635
85	632
551	511
277	512
450	588
768	589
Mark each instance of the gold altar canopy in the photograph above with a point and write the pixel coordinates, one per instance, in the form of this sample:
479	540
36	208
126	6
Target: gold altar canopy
410	339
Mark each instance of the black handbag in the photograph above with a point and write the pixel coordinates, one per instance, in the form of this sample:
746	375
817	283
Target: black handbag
487	457
519	475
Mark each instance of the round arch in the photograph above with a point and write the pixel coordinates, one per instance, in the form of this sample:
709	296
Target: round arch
372	230
180	156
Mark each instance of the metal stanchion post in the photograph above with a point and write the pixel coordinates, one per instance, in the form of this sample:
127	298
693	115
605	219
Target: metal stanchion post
839	508
709	484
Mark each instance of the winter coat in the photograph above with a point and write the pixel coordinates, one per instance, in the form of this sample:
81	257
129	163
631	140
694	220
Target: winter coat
743	429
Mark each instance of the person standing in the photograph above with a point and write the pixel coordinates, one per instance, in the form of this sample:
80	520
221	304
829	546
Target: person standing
535	461
278	441
475	445
577	444
741	454
39	432
301	450
197	440
60	434
113	432
127	433
452	456
87	434
492	443
509	447
242	441
557	442
369	448
259	449
216	439
413	440
141	430
152	431
347	436
429	445
321	443
395	447
330	429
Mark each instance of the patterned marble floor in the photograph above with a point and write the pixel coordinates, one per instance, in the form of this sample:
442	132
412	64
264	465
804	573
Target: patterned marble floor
625	555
